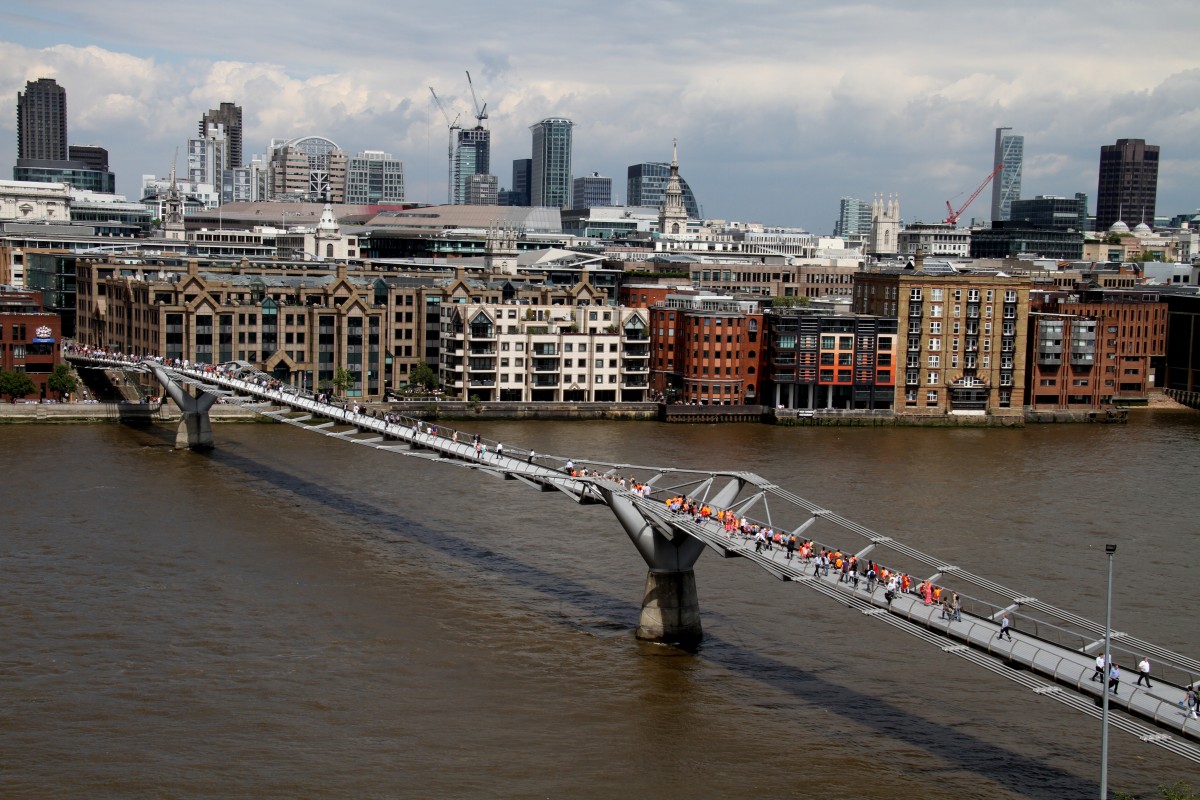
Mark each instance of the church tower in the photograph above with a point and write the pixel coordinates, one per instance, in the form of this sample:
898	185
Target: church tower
328	238
173	227
672	218
885	226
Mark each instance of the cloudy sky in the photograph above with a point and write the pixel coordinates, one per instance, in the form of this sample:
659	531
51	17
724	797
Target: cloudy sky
780	108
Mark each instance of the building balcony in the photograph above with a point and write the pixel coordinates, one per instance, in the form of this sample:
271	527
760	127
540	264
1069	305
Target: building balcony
546	365
635	366
545	381
485	350
482	382
635	383
482	364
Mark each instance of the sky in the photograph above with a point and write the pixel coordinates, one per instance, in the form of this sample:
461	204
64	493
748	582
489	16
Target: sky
780	108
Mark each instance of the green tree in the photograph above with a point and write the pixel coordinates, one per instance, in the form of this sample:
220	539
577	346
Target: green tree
790	301
422	375
16	384
61	381
343	379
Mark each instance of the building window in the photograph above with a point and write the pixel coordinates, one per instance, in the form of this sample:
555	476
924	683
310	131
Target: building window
931	397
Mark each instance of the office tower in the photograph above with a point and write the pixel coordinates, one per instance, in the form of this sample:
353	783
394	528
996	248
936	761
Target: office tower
96	158
591	191
42	121
550	179
1006	186
311	168
374	177
472	156
1128	185
646	185
1048	211
229	116
207	156
521	179
854	217
481	190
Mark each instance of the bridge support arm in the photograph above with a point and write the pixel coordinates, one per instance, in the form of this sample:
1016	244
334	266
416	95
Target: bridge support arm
670	603
195	427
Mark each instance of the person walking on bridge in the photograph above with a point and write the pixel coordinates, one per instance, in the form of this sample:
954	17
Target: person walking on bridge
1098	675
1004	633
1114	679
1144	672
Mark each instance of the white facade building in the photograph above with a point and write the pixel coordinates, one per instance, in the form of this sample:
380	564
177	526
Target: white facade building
533	353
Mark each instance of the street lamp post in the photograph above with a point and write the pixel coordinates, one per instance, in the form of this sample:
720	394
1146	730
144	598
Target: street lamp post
1109	549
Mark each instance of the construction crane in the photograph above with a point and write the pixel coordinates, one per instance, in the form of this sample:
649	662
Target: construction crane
451	127
480	113
952	218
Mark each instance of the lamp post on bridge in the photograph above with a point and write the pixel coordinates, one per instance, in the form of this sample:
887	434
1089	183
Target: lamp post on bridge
1110	550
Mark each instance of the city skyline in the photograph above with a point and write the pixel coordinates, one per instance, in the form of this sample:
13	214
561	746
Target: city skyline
768	130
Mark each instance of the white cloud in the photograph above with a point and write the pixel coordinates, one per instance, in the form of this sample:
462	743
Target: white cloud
780	108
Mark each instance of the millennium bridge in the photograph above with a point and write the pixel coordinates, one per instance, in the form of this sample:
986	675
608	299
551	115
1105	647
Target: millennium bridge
1052	652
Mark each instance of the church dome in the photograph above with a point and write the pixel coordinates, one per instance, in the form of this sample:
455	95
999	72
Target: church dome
1142	229
1119	227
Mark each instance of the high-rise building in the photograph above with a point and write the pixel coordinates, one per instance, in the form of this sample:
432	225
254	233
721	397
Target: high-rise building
94	156
482	190
310	168
1128	185
229	116
374	177
854	217
1048	211
521	179
42	121
591	191
646	185
1006	186
550	179
472	156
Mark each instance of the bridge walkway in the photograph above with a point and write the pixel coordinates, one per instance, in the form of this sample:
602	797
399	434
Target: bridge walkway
1052	651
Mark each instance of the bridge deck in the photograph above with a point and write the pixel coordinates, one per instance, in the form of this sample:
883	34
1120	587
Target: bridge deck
1052	651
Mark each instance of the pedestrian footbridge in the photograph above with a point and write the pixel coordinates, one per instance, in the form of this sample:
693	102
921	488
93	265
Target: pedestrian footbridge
1052	652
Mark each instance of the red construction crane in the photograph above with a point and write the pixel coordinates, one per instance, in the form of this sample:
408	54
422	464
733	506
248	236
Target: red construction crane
952	219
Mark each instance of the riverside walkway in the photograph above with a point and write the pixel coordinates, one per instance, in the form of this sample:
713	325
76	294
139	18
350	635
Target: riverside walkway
1052	652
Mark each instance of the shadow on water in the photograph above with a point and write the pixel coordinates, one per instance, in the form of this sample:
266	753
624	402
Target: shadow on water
1017	772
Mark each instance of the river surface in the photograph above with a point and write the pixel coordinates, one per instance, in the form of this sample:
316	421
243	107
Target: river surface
291	616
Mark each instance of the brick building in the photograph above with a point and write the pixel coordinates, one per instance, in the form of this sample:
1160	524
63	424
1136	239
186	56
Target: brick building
30	337
1093	348
707	350
964	338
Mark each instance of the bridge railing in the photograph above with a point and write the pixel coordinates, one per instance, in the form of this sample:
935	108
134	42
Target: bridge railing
1029	616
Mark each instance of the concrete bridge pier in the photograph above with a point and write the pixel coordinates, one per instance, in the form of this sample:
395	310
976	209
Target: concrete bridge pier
195	427
670	604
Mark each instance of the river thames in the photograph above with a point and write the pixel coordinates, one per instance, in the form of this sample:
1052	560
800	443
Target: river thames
290	616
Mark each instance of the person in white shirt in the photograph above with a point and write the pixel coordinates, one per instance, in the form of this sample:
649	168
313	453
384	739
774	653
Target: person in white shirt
1144	672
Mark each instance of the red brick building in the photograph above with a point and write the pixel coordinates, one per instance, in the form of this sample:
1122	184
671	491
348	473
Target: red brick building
30	337
707	350
1093	348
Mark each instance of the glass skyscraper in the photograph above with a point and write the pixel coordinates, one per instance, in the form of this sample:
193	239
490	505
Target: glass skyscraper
647	186
550	181
472	156
1006	186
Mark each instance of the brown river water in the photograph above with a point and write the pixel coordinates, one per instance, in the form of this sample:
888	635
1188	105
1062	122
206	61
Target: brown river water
292	616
